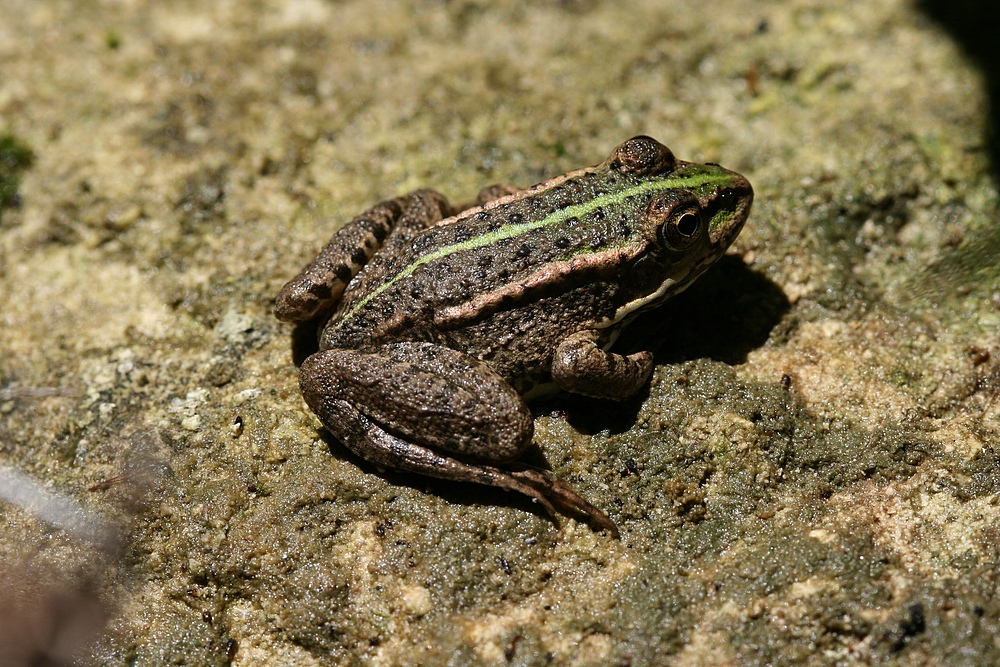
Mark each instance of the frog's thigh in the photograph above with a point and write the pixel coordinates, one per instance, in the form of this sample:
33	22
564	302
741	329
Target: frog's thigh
372	443
580	366
422	209
432	396
321	284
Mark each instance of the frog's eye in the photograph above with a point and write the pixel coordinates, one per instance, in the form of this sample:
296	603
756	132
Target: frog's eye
682	229
679	222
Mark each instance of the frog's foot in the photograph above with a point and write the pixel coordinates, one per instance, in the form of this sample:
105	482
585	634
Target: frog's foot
559	491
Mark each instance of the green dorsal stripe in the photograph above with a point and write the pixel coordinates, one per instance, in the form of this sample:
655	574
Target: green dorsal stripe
563	214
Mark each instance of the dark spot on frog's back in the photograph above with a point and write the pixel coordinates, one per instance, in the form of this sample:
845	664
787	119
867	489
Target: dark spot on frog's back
622	230
359	257
463	235
515	219
540	206
424	243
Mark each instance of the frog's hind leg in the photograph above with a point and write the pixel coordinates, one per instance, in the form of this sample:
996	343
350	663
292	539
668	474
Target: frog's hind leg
374	444
431	410
369	441
320	284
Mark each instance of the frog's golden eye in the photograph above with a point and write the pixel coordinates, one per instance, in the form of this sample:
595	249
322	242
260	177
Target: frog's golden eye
679	222
682	229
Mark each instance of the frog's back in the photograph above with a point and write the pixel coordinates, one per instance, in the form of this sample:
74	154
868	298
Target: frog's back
498	282
507	282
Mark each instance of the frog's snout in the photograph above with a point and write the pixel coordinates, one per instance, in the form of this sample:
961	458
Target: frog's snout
731	208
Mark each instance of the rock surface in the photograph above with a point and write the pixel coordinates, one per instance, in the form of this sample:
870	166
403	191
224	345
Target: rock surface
812	478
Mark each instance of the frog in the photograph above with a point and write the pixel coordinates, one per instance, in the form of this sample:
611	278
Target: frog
438	324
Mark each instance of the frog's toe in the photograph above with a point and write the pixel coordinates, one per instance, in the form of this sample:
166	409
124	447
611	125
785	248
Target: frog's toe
562	494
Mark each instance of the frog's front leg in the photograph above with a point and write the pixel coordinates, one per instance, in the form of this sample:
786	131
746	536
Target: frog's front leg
321	284
580	366
432	410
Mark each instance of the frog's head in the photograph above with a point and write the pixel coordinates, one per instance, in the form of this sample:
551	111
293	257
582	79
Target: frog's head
690	213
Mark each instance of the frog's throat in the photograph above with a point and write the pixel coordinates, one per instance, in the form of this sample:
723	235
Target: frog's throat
516	229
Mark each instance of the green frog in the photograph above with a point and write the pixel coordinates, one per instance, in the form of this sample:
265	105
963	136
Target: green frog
438	323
